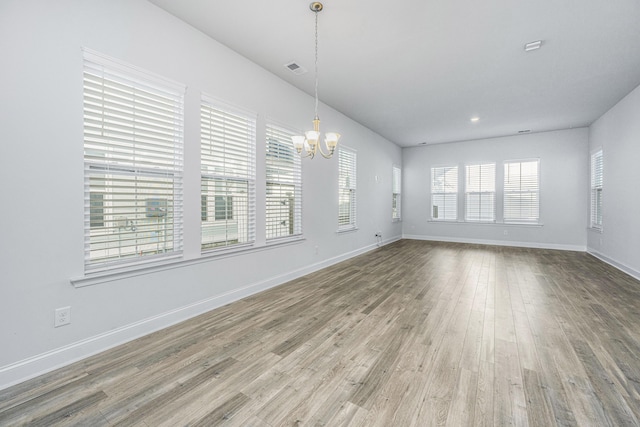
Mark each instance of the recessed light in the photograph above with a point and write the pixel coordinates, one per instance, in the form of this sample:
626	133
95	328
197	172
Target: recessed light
532	46
475	119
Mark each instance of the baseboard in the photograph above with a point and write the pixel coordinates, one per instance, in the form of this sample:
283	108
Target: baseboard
533	245
26	369
620	266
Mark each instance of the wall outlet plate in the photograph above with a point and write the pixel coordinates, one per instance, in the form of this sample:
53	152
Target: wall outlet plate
62	317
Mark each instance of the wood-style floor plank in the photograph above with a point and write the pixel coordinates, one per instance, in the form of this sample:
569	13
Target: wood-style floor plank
412	334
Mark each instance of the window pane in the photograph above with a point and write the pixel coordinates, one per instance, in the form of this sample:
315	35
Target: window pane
228	206
281	218
138	217
96	209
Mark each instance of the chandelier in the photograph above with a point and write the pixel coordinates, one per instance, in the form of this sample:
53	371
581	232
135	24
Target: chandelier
309	142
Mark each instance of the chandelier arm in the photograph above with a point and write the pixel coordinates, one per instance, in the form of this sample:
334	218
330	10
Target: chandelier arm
306	153
326	156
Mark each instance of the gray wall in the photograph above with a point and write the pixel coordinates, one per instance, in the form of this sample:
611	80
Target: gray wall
617	133
563	178
41	162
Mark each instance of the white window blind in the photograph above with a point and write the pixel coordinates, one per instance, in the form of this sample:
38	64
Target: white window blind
596	190
396	197
444	193
133	157
284	184
347	188
227	155
521	191
480	192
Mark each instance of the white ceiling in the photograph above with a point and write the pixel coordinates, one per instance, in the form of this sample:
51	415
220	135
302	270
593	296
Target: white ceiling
417	70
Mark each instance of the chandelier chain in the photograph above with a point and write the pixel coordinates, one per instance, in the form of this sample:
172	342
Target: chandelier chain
316	64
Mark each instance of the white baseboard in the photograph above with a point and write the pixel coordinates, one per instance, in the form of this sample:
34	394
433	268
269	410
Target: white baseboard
26	369
620	266
534	245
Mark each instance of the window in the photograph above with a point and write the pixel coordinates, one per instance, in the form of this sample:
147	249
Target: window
396	190
284	184
346	189
133	145
227	149
223	208
96	208
480	192
444	193
204	210
521	191
596	190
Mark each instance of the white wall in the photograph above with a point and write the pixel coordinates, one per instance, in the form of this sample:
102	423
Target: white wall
41	162
563	178
617	133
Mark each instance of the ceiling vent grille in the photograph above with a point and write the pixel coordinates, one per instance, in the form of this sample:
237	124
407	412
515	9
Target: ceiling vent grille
295	68
533	46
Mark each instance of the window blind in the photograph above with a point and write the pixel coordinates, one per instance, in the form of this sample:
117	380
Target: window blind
284	184
227	155
444	193
396	202
596	189
133	157
521	191
480	192
346	188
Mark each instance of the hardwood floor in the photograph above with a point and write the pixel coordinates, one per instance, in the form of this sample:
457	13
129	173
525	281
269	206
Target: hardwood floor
411	334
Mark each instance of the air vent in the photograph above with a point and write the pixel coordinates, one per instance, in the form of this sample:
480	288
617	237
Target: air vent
524	131
295	68
533	46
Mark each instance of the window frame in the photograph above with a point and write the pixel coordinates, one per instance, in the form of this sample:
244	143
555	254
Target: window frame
524	220
596	187
282	158
396	193
133	147
347	173
482	191
447	195
228	169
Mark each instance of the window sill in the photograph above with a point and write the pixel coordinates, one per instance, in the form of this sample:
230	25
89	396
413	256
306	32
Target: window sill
132	270
490	223
111	275
346	230
283	241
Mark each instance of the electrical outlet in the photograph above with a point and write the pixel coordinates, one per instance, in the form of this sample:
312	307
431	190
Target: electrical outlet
506	232
379	234
62	316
